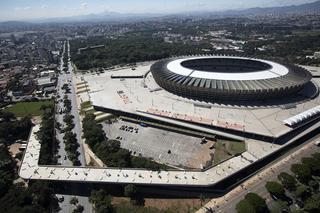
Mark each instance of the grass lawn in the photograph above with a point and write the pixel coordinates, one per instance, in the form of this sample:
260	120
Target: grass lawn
22	109
86	104
227	149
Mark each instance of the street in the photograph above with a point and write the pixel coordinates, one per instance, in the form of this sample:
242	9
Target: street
67	78
256	184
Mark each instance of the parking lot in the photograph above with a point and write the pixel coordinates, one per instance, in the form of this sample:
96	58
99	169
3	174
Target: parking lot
161	145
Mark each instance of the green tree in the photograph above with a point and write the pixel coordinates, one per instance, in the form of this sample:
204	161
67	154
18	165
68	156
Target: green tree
258	203
316	155
130	190
275	188
302	172
101	201
314	185
302	192
7	116
244	206
288	181
92	131
46	137
313	164
312	204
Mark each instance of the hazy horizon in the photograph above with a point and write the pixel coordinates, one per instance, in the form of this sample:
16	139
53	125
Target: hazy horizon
41	9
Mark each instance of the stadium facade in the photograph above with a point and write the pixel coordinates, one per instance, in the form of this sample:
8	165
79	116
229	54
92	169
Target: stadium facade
213	78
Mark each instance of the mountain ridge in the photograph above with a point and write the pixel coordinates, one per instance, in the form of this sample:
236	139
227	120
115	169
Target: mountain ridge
313	7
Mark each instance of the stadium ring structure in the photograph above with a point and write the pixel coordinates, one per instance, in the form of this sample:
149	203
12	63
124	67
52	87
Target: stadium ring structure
212	78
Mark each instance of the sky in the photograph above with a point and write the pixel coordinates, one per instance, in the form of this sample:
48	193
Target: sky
34	9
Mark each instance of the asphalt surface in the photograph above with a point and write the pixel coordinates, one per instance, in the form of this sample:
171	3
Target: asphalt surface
150	142
63	78
256	184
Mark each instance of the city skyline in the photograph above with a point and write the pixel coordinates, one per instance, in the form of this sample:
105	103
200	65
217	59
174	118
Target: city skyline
28	10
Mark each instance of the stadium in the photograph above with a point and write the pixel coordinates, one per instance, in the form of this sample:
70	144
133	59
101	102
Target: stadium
177	112
256	108
215	78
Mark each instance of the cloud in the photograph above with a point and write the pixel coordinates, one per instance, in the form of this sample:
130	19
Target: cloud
84	5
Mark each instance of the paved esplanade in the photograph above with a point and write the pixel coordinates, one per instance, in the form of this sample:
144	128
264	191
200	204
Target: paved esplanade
31	170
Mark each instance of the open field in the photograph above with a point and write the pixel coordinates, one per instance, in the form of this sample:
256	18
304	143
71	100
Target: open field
85	104
28	108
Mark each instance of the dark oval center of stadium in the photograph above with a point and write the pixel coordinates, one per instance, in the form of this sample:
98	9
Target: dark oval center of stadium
229	65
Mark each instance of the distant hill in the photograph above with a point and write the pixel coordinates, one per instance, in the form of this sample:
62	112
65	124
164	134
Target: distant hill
13	23
115	17
313	7
105	16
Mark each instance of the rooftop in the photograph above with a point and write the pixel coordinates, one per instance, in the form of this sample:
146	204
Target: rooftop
274	69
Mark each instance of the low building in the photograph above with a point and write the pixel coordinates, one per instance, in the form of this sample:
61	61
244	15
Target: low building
44	82
48	73
25	87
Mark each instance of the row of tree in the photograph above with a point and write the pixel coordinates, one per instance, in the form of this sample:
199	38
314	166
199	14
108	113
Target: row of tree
252	203
70	138
303	186
66	88
46	136
102	201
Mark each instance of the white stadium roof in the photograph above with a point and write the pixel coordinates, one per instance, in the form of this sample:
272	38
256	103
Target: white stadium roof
277	70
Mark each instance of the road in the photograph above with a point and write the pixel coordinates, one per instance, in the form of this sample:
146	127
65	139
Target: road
74	111
63	160
67	77
256	184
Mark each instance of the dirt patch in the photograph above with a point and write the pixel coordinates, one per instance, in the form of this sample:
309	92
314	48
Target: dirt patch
118	200
202	156
14	149
175	205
